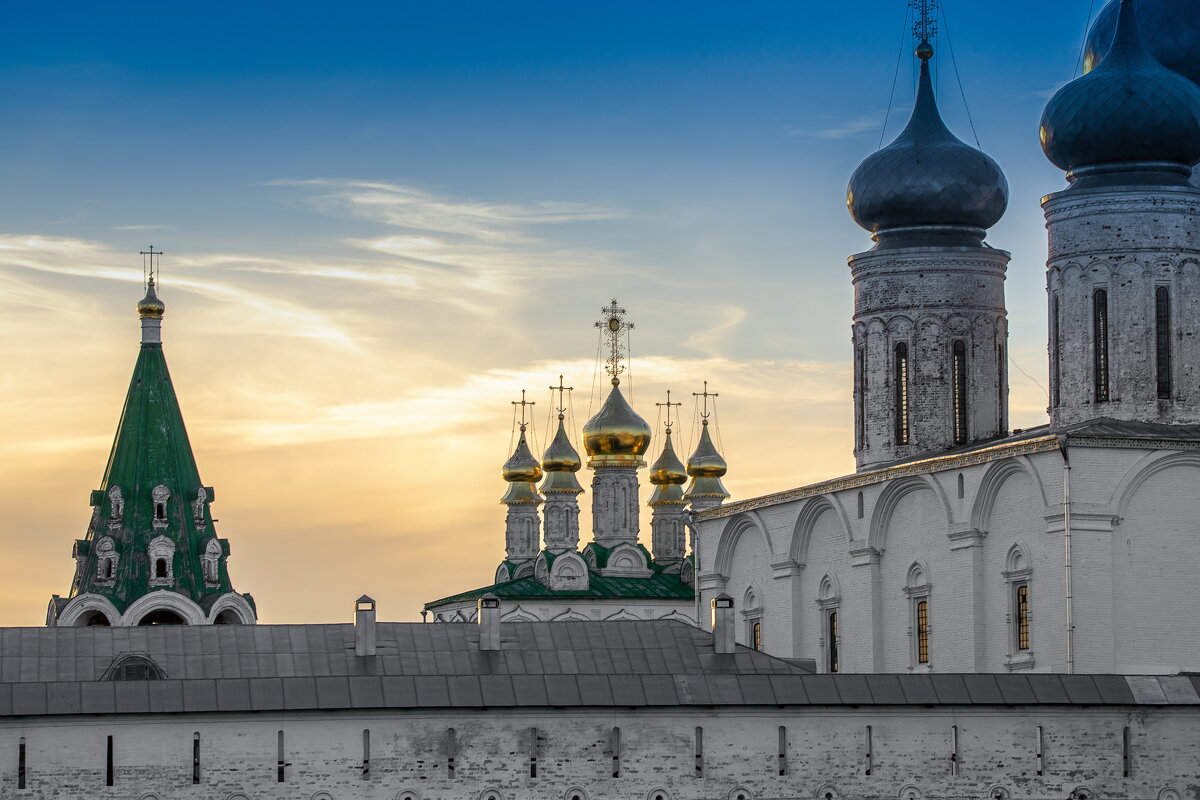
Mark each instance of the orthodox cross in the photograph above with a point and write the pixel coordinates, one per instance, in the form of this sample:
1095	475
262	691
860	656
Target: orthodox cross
149	281
705	394
924	19
560	389
614	322
668	405
522	403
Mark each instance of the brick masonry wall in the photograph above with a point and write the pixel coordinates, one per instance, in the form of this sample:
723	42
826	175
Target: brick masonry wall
825	752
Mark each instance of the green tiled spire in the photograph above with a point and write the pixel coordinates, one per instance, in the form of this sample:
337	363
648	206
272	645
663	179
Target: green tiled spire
151	529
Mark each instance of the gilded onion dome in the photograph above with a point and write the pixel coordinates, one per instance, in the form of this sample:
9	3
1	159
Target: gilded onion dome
667	474
706	466
1127	110
521	471
150	307
1169	28
561	461
927	186
616	436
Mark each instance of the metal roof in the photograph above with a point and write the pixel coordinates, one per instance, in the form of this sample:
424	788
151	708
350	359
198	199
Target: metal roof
658	586
655	663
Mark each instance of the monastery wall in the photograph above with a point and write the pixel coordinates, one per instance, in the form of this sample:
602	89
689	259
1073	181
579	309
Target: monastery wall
903	752
962	534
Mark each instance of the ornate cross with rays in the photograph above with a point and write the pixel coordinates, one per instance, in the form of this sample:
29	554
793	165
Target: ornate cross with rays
148	274
668	405
705	394
560	389
924	19
614	323
522	403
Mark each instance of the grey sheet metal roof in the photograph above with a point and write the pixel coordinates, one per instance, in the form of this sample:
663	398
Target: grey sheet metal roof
53	671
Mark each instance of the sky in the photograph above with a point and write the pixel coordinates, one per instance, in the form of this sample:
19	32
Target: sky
382	221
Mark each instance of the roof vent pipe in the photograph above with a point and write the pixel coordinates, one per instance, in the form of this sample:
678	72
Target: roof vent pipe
488	617
364	626
722	623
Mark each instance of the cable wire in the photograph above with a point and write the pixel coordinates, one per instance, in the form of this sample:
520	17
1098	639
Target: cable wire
954	63
1087	24
904	34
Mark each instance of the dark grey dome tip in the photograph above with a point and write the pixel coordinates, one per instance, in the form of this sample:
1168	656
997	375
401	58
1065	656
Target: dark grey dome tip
1170	31
1128	110
927	179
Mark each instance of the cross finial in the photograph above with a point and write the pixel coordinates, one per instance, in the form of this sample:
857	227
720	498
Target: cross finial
149	270
924	21
705	394
522	403
560	389
668	405
614	323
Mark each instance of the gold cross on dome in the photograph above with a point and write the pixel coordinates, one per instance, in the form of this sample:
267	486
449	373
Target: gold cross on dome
614	323
924	19
668	405
560	389
705	394
149	274
522	403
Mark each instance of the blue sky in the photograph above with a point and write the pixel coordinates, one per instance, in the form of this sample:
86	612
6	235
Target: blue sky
384	219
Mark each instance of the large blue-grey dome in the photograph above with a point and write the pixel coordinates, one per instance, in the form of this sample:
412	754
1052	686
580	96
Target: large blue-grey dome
1130	108
927	177
1170	29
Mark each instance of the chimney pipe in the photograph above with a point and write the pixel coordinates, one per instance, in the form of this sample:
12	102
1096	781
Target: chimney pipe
488	617
722	623
364	626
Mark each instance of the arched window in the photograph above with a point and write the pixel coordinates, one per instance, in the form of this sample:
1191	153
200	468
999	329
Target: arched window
901	379
922	614
756	635
160	568
832	648
958	369
918	592
1055	393
861	430
1001	389
1100	343
1162	340
160	494
828	602
1017	572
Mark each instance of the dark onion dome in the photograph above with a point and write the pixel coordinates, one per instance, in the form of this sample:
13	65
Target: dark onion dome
1170	29
1128	109
927	178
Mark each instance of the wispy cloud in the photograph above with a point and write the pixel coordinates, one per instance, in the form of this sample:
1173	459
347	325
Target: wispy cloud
841	129
140	227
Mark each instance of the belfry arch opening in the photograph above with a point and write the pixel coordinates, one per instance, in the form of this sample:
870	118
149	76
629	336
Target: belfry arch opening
162	616
93	619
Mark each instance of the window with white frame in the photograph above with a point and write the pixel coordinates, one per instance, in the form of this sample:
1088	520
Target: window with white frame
753	614
1017	573
162	557
106	560
917	591
160	494
210	562
829	603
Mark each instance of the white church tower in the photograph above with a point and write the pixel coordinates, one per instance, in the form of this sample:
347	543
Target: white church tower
1124	240
930	329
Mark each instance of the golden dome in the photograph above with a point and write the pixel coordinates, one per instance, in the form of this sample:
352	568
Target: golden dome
706	468
668	470
616	436
150	307
522	467
561	456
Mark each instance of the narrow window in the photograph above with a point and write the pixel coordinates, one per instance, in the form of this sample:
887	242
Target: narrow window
1022	616
160	511
862	398
1039	750
922	631
699	741
1162	340
1126	754
1001	389
21	764
108	568
1100	343
870	753
783	750
959	376
954	750
615	747
160	568
451	751
962	487
366	765
901	393
860	505
533	752
280	764
833	641
756	635
108	769
196	757
1056	393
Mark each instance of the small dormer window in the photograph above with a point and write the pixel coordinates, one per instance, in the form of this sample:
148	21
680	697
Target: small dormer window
160	494
116	506
160	568
162	555
210	562
106	560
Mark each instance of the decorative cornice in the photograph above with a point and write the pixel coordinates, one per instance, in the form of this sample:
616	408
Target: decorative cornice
980	455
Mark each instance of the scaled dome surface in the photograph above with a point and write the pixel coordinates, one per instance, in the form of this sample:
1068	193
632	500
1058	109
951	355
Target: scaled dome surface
616	435
1130	108
927	176
1169	28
